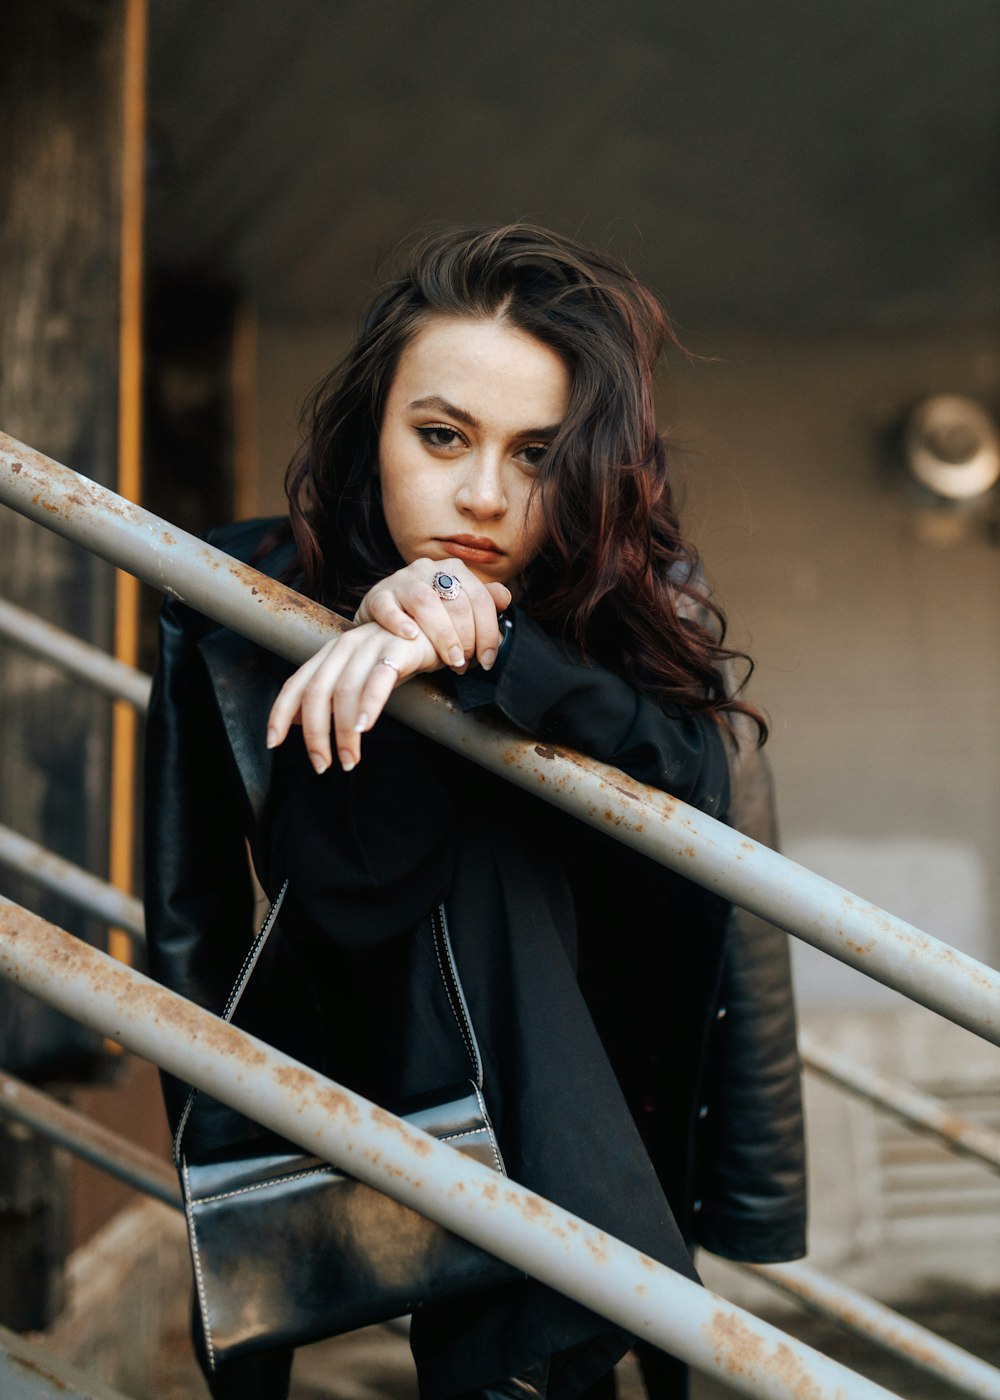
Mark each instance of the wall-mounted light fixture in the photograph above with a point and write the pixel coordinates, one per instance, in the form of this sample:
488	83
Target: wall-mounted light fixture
951	445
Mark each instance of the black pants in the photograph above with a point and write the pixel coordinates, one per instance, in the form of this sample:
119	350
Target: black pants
665	1377
266	1376
263	1376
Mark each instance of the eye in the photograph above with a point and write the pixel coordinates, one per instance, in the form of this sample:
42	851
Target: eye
437	435
533	455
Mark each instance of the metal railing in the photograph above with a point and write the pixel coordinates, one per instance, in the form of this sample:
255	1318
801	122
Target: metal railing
80	659
30	1372
89	1140
845	1307
270	613
864	1317
61	877
662	827
918	1110
339	1126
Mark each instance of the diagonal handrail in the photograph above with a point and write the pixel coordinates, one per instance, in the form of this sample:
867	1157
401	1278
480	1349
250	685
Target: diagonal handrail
668	831
89	1140
113	906
29	1371
333	1123
904	1101
911	1105
845	1307
866	1317
80	659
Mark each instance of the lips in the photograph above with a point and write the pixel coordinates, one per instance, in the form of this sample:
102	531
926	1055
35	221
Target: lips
474	549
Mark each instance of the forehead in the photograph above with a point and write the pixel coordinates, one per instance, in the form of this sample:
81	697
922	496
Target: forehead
499	374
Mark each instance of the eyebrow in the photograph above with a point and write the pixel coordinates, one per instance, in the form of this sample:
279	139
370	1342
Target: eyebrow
451	410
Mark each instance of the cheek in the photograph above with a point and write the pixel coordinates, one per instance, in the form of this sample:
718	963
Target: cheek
394	473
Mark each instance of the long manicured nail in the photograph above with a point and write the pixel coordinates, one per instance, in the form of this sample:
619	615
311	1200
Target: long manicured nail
272	738
318	762
363	724
346	760
456	657
488	659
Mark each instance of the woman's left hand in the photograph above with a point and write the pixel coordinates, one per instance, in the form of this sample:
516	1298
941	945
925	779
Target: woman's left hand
460	628
352	676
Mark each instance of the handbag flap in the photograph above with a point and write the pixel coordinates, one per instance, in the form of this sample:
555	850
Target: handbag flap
456	1115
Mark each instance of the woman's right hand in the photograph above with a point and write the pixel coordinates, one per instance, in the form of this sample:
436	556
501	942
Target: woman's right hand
406	604
351	677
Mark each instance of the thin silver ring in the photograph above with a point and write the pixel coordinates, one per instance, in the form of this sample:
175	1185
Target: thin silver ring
384	661
447	590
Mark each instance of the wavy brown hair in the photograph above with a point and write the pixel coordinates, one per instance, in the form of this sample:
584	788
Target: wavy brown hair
615	576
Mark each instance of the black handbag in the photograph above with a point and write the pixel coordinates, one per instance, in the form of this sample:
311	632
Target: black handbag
287	1249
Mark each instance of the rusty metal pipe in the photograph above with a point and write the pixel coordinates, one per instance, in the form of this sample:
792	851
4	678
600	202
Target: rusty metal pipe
61	877
339	1126
666	830
84	1138
895	1096
80	659
846	1307
864	1317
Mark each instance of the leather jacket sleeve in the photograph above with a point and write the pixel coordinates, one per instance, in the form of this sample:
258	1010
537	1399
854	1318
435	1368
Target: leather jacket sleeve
751	1150
198	892
554	695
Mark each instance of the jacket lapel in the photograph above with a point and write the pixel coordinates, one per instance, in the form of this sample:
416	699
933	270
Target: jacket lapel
245	678
245	688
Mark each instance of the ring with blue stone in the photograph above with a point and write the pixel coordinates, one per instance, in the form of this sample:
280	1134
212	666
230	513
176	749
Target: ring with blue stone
446	586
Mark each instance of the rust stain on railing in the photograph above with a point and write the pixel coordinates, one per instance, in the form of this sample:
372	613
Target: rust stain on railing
747	1355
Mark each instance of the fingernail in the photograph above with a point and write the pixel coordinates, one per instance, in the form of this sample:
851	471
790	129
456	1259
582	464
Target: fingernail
346	760
411	631
272	738
318	762
456	657
363	723
488	659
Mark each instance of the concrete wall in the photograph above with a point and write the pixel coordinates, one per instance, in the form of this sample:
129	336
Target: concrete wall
875	625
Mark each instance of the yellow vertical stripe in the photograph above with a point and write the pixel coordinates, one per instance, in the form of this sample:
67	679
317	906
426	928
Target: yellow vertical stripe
123	733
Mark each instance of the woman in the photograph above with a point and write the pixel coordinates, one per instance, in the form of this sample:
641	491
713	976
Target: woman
483	488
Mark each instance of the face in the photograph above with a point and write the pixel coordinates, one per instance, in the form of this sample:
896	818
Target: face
471	412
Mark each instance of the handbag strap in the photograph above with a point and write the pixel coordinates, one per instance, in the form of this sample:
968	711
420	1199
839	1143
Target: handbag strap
453	987
449	976
235	997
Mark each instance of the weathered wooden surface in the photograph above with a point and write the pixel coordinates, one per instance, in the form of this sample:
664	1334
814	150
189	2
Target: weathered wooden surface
60	120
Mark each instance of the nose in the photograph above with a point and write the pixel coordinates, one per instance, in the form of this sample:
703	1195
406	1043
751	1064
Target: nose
481	492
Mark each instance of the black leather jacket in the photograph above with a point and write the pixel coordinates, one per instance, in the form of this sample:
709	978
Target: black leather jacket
692	1000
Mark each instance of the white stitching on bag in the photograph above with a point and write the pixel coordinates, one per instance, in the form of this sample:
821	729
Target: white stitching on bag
206	1324
489	1129
329	1170
447	987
